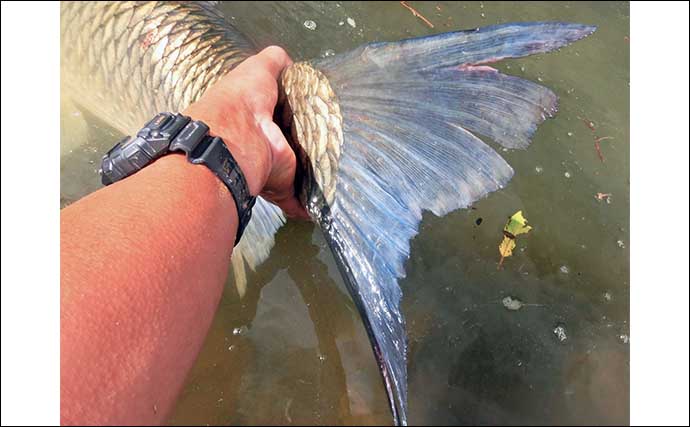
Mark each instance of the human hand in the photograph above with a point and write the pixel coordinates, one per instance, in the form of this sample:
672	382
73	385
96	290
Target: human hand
239	109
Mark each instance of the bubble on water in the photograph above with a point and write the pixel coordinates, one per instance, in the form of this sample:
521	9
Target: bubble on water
560	333
620	244
351	22
522	68
540	79
512	304
567	174
564	269
231	348
341	23
624	338
570	134
310	25
539	169
322	358
240	330
328	52
607	296
482	15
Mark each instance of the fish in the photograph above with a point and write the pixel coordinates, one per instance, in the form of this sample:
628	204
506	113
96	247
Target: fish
381	133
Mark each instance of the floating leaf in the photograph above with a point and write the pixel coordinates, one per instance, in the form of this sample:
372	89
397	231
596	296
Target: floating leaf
516	225
506	247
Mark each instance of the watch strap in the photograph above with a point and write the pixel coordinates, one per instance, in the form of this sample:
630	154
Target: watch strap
134	153
211	151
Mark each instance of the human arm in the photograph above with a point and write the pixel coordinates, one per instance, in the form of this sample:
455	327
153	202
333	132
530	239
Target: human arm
143	261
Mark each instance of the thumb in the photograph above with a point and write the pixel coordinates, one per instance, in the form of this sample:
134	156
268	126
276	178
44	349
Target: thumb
280	185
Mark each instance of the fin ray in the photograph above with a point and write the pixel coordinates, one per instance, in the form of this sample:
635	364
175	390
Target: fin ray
257	241
411	111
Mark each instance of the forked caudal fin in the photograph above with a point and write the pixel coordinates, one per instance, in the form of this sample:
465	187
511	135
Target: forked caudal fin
410	113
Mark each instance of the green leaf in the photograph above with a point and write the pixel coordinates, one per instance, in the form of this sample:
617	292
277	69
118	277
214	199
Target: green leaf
516	225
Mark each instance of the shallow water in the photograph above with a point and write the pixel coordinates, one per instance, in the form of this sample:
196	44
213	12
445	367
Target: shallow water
293	351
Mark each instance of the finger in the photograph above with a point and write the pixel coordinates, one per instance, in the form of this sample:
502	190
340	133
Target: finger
281	178
280	186
273	59
288	203
294	209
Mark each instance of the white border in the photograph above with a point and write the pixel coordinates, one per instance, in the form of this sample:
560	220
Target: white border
659	213
30	176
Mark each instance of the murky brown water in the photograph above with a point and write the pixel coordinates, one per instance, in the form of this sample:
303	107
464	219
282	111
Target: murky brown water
293	351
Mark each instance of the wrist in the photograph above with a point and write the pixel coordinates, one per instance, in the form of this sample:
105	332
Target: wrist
237	127
194	182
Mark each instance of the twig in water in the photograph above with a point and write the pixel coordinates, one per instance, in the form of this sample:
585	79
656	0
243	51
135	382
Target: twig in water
598	146
597	140
417	14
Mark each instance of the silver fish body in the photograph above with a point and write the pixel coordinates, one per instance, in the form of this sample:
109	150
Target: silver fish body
127	61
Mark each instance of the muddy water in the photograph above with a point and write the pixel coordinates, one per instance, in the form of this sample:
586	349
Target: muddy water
293	351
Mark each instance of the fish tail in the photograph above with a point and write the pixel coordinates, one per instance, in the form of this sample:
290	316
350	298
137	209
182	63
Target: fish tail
411	115
256	242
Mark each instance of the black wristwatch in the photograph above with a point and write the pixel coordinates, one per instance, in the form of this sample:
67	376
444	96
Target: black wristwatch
174	132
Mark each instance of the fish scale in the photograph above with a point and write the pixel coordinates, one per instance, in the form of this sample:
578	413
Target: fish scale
124	62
